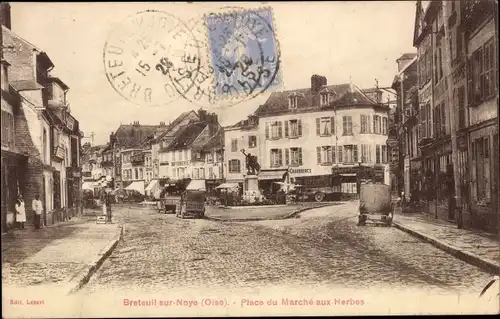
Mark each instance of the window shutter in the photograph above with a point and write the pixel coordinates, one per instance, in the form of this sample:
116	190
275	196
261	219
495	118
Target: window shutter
286	128
271	162
317	127
287	156
300	155
355	153
362	120
267	130
344	124
340	159
280	157
280	129
334	154
369	148
318	154
299	124
332	123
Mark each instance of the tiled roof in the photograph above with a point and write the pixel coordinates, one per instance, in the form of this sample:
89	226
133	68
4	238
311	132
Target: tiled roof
344	95
133	135
214	142
186	135
172	125
25	85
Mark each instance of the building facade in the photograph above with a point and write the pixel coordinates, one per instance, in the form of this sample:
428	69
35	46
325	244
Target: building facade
457	97
320	131
162	160
195	151
240	139
478	115
42	139
405	129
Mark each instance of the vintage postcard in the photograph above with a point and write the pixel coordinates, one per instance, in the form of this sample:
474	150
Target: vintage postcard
249	158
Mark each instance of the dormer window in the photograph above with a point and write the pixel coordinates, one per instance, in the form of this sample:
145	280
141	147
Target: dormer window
326	97
293	101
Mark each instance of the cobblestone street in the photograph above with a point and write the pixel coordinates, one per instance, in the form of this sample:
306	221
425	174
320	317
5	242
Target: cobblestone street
322	248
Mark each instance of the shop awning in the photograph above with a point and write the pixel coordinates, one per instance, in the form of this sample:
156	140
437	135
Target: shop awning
272	174
154	183
198	184
153	187
137	186
227	185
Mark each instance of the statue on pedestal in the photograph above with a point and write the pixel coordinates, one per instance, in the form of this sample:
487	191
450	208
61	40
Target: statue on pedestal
252	165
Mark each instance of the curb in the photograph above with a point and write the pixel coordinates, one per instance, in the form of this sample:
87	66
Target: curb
466	256
84	276
291	215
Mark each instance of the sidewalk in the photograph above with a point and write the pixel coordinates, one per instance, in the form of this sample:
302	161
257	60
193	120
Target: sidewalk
475	247
60	258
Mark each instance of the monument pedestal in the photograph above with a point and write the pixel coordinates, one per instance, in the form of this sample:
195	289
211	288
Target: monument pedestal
252	183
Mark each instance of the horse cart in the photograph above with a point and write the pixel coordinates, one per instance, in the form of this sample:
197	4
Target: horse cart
375	204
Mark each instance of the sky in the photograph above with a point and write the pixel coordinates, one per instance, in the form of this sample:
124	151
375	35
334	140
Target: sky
343	41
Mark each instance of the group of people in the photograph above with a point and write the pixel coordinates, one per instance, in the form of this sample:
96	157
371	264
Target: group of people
37	208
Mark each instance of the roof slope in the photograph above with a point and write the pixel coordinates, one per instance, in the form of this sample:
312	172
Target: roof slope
214	142
176	122
133	135
186	135
343	95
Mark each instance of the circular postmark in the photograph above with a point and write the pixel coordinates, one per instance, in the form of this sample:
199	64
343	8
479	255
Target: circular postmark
141	53
239	57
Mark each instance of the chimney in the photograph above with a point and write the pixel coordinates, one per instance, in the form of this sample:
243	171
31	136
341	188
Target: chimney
317	81
5	15
203	115
214	118
162	123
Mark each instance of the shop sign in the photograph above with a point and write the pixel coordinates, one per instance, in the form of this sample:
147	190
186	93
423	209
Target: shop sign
300	171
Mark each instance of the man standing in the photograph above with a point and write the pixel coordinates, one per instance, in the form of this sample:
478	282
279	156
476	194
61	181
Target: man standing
37	209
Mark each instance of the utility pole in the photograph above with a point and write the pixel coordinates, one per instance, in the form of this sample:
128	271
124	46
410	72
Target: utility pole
452	114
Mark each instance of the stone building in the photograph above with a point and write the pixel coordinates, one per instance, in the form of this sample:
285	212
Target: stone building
40	150
472	109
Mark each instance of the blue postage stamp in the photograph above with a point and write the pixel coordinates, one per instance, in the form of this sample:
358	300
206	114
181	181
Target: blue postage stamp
244	52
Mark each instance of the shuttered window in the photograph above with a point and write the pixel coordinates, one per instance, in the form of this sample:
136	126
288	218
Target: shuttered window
295	156
293	128
234	166
234	145
364	123
276	157
347	125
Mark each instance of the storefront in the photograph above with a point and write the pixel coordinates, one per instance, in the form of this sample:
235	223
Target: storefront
74	191
13	182
211	184
268	179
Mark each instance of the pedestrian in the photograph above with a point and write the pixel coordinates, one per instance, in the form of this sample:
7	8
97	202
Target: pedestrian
108	206
37	210
20	212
